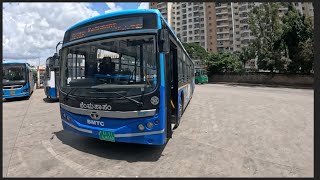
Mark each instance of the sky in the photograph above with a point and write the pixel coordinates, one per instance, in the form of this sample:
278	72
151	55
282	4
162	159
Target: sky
31	31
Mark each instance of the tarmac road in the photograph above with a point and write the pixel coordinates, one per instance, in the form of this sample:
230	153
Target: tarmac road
226	131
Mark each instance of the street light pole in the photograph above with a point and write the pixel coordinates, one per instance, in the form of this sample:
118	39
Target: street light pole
38	75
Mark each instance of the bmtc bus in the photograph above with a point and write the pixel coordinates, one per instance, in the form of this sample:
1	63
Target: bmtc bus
201	76
125	77
18	80
52	76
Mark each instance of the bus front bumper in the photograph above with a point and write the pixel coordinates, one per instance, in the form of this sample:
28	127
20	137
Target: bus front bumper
127	133
14	93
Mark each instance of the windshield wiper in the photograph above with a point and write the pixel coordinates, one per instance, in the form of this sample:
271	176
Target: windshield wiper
67	95
140	104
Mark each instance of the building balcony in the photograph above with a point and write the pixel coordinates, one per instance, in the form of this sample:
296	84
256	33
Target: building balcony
223	39
222	6
224	12
223	32
222	19
223	25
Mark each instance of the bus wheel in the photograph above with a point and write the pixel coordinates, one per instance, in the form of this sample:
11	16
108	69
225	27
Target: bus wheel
197	81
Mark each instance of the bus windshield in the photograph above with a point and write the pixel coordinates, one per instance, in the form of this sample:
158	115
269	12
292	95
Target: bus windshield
14	74
103	68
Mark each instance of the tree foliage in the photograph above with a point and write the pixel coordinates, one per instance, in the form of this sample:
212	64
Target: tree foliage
264	23
223	62
297	37
247	53
195	51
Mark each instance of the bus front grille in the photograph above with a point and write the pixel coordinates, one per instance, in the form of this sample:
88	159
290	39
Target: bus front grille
12	87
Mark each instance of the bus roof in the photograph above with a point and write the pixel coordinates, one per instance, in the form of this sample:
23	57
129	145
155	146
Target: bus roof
116	13
128	12
13	62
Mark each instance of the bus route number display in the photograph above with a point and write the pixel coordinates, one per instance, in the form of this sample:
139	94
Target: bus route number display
107	26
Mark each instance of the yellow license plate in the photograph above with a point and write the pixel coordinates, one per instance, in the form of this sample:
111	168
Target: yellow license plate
12	92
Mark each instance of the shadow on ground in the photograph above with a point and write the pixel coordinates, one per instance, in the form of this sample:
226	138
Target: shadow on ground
262	85
16	99
116	151
48	100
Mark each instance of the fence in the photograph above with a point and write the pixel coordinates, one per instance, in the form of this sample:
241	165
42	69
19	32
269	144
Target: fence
264	78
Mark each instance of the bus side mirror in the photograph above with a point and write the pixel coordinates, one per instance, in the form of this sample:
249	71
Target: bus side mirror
164	41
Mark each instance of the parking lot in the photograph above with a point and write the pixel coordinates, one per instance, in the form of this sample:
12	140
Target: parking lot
226	131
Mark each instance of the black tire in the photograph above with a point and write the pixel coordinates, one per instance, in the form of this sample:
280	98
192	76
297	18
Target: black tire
196	81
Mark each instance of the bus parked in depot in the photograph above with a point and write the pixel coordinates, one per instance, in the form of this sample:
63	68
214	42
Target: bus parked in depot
52	76
201	76
125	77
18	80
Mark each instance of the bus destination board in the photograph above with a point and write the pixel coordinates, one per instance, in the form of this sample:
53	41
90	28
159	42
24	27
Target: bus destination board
106	27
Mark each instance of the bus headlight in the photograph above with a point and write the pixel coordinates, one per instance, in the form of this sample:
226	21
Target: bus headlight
25	90
141	127
150	125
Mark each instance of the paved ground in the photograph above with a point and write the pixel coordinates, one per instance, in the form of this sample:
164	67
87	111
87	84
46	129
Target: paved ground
226	131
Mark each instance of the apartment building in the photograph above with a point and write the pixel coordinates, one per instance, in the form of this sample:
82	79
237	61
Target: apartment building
165	8
193	22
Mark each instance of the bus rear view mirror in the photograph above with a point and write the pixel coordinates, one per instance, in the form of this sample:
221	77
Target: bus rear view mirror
164	41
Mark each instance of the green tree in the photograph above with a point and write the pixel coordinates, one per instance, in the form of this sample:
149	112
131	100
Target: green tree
195	51
264	23
247	53
298	37
223	62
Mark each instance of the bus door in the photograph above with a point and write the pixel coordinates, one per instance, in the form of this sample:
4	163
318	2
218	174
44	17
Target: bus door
172	86
57	80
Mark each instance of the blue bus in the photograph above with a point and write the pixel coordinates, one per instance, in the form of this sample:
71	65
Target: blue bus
18	80
125	77
52	76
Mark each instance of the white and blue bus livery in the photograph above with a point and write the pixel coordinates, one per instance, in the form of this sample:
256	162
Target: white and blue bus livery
125	77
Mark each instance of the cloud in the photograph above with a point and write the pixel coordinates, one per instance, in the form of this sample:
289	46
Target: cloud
32	30
143	6
113	7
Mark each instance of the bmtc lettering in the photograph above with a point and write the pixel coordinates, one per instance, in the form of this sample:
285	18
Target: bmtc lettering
93	122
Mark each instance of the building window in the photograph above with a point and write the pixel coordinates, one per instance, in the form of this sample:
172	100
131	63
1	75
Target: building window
190	38
209	18
185	39
190	26
237	32
190	32
237	26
